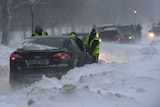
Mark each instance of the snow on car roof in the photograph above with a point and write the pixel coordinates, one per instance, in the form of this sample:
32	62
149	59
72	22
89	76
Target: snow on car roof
111	28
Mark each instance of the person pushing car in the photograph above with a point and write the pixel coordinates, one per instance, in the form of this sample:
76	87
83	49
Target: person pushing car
79	41
93	45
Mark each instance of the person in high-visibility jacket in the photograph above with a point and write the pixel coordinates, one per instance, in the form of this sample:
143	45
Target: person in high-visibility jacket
79	41
39	31
93	45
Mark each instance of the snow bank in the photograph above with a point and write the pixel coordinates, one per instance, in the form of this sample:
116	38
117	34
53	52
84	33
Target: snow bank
126	76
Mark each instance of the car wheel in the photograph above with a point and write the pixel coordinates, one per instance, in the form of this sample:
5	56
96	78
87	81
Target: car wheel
75	64
13	84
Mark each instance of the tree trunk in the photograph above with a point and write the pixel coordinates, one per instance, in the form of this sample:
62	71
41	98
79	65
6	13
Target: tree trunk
6	19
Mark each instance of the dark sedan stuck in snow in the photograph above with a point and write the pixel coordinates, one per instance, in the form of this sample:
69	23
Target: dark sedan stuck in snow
49	56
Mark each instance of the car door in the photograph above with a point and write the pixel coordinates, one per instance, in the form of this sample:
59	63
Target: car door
76	52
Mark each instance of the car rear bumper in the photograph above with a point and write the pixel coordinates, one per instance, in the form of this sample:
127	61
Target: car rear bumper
31	75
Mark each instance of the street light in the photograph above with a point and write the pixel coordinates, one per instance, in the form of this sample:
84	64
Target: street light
32	18
32	15
135	14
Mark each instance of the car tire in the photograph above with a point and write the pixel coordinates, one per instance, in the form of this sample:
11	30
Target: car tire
76	63
13	84
16	85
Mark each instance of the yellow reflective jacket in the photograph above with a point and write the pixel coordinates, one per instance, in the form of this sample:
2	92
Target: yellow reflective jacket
44	33
95	51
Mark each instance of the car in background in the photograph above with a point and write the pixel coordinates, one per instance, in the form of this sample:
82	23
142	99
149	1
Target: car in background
51	56
128	31
111	34
132	32
154	31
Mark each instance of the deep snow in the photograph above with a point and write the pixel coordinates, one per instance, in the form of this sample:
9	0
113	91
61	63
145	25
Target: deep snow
127	75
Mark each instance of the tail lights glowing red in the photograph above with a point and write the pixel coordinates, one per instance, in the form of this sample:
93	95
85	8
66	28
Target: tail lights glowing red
15	57
61	55
119	38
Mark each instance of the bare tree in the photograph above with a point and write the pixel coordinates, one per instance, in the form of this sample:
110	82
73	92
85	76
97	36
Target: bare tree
6	20
71	13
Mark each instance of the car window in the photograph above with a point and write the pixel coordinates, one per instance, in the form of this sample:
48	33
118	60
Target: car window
109	33
80	36
73	44
83	36
53	42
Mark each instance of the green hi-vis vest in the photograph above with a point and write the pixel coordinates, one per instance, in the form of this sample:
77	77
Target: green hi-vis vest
43	33
96	51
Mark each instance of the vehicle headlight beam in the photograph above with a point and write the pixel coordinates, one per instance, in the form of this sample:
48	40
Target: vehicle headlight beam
151	35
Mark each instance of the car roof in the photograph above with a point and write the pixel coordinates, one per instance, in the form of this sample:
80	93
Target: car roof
124	25
48	36
78	33
82	33
107	25
110	29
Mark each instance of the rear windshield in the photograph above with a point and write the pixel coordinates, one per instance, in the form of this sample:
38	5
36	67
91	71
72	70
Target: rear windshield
126	29
53	42
108	33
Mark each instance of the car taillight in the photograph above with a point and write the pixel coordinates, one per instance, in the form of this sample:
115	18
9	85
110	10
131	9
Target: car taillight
15	57
61	55
118	38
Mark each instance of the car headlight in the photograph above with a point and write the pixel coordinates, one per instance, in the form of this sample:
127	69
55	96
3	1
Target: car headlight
151	35
130	37
100	40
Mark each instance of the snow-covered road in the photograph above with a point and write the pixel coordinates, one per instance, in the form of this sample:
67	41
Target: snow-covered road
127	75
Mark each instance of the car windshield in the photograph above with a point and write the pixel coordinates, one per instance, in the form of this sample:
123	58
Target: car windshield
126	29
52	42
